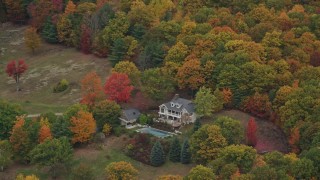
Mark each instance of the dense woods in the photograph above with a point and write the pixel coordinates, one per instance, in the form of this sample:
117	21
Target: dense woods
258	56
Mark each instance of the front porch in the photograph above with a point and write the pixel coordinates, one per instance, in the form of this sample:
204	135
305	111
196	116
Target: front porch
173	121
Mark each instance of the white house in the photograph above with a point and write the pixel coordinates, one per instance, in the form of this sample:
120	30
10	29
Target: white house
129	116
177	112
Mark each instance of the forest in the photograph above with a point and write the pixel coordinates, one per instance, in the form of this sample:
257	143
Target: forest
260	57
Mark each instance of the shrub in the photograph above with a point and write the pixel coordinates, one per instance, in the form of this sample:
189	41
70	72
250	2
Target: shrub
83	172
28	177
5	154
121	170
106	129
118	131
143	119
99	137
61	86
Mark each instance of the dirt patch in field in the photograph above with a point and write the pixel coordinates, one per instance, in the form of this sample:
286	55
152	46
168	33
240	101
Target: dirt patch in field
270	136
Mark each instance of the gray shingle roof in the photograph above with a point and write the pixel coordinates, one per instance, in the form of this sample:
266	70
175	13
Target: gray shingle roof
130	114
180	103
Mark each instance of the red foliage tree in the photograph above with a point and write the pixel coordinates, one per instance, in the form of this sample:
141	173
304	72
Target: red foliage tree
57	5
251	132
118	87
39	11
85	42
258	104
294	140
315	59
16	70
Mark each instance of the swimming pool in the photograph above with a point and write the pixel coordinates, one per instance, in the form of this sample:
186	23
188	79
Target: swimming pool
155	132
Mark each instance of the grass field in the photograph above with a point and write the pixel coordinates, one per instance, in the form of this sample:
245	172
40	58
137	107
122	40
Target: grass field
47	67
111	151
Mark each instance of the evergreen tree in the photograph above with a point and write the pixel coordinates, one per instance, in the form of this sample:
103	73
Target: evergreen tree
119	50
197	125
175	150
157	157
185	152
49	32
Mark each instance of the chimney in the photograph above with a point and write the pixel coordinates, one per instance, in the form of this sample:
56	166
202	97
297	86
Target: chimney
175	97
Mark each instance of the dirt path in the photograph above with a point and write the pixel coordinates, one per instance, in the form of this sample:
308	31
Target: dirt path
37	115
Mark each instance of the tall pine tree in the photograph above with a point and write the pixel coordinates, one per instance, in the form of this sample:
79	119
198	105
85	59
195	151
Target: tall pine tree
185	152
119	50
197	125
157	157
175	150
49	31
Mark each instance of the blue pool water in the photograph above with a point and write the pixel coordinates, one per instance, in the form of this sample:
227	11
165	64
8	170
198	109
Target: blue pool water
155	132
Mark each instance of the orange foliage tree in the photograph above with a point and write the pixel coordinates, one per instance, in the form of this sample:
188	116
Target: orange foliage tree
17	133
91	89
44	133
70	8
227	96
190	75
83	126
20	140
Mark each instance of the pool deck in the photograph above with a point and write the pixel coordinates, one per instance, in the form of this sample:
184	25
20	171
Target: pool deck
165	132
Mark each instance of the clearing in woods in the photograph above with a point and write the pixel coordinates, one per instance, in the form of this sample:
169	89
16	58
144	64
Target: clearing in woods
46	68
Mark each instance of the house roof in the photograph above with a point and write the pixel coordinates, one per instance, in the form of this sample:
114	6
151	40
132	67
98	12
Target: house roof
178	104
130	114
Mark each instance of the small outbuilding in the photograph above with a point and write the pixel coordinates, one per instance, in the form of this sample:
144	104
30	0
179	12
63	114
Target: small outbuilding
129	116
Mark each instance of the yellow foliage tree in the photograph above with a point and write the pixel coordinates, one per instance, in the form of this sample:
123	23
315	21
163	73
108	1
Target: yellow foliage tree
83	127
29	177
206	143
64	29
121	170
170	177
107	129
70	8
130	69
32	39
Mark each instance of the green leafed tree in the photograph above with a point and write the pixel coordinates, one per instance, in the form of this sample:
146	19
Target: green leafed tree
155	84
5	154
175	150
231	129
241	155
157	156
206	102
8	113
201	172
106	112
55	154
